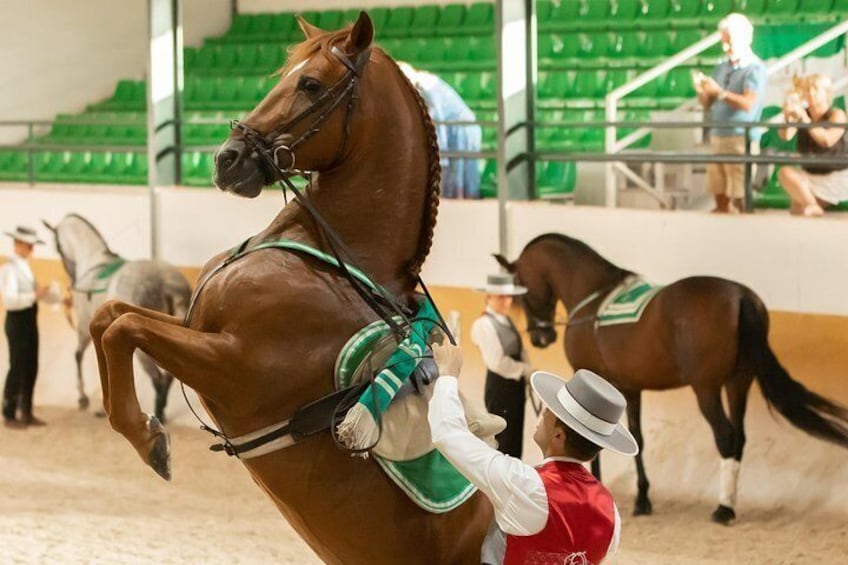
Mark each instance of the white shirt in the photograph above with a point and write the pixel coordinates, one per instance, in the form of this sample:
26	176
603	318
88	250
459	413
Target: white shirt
485	337
515	488
18	284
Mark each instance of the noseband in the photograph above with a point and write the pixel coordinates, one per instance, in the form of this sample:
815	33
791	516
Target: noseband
269	145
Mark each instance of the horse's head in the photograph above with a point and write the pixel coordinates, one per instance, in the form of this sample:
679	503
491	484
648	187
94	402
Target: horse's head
304	122
77	241
539	303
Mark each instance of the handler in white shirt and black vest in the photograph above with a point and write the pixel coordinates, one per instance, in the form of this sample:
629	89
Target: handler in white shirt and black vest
20	298
507	364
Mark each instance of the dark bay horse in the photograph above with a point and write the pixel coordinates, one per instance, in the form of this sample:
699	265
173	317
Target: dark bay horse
704	332
264	332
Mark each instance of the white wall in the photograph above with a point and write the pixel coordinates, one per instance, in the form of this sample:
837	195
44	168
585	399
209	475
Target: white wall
60	56
795	264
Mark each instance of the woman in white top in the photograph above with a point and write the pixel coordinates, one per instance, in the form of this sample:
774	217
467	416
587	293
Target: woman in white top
20	298
507	365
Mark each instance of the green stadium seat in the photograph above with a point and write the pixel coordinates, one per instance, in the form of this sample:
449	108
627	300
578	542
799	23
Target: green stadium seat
399	22
260	27
553	88
773	195
433	52
817	10
379	17
678	85
623	13
555	179
593	14
624	45
712	11
653	14
781	10
562	15
330	20
197	168
350	15
14	165
488	178
751	8
450	20
425	21
684	38
600	43
654	46
588	85
478	90
684	10
283	26
479	19
560	138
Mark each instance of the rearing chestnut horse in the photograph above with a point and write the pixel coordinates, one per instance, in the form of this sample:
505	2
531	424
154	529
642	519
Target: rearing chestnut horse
704	332
265	331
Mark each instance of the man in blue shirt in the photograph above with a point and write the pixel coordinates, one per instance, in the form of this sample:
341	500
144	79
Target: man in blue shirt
735	92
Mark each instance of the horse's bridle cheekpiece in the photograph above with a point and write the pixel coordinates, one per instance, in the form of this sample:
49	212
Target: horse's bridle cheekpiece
268	145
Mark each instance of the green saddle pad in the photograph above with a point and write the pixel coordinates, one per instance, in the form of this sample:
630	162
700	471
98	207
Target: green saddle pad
430	481
626	303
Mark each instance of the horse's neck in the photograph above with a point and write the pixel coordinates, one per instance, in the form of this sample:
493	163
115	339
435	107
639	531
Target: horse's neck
576	275
89	253
374	200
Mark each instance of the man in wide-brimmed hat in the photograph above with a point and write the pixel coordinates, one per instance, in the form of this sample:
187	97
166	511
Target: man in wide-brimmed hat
557	512
20	298
507	364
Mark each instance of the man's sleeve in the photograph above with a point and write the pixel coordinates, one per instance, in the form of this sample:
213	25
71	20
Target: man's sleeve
514	488
755	80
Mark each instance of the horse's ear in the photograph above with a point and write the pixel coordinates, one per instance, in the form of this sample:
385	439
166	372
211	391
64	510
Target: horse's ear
510	267
48	226
361	35
308	29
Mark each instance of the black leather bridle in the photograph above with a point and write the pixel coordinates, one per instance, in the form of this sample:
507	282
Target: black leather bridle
270	145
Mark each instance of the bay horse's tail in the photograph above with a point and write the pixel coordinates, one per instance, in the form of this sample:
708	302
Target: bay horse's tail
805	409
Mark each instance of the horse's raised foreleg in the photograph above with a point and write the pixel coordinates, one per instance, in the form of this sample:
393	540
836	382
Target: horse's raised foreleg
709	401
104	318
194	356
634	423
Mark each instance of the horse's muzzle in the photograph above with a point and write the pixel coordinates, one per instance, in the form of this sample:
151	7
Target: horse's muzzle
238	169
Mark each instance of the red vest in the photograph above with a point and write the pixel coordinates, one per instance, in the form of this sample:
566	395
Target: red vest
581	520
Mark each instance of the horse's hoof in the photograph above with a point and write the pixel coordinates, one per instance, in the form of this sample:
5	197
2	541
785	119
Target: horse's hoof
159	457
723	515
643	508
83	403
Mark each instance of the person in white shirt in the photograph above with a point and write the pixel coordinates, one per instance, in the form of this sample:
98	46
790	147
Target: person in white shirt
507	364
557	512
20	299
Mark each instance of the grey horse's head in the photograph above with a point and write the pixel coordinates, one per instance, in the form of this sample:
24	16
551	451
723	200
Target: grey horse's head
78	243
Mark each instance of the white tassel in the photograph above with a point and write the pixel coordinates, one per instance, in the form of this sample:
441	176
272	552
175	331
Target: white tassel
358	430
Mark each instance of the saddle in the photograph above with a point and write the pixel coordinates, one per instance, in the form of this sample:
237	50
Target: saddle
405	429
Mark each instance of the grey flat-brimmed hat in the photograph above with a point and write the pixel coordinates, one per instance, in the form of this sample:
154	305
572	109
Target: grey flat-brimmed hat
25	234
502	285
589	405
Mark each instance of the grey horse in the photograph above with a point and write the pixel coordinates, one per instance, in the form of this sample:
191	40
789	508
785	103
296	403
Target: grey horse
98	274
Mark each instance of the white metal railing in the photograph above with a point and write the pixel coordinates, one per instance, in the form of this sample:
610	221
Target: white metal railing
614	145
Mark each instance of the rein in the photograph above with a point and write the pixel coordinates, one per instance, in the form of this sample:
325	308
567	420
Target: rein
321	414
540	323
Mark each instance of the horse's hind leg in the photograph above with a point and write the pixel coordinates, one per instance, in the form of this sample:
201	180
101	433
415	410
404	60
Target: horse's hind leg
634	423
737	402
709	401
82	343
195	356
161	381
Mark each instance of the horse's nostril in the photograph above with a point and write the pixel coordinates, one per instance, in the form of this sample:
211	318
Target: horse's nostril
226	159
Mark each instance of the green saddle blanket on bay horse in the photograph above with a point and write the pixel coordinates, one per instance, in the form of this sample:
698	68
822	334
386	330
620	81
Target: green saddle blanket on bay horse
627	302
420	471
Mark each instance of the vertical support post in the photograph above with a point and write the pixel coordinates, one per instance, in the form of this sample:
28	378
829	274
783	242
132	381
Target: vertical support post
610	135
749	191
164	81
511	29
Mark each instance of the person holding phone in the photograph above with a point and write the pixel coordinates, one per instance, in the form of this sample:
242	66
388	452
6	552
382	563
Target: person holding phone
734	93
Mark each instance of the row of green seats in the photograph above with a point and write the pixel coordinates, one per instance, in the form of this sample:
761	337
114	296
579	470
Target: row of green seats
445	54
559	88
478	90
129	95
75	166
587	136
229	59
570	15
401	21
554	179
226	93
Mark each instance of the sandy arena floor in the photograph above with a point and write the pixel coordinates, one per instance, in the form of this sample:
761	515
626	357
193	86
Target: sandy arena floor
75	492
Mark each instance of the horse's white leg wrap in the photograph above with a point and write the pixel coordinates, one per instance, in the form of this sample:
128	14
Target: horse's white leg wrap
728	480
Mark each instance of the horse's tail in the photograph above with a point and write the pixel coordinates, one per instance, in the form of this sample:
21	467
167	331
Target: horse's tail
805	409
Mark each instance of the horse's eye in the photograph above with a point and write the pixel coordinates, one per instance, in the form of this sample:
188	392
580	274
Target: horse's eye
309	85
